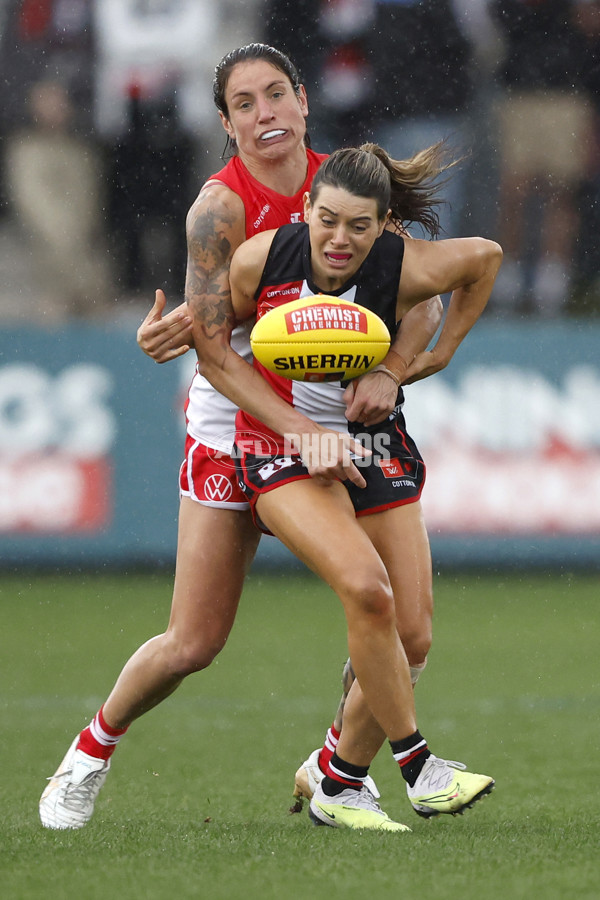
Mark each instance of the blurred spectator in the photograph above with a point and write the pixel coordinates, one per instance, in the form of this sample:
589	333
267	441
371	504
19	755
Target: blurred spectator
545	137
46	39
423	58
150	188
151	109
330	41
54	192
587	289
160	47
395	71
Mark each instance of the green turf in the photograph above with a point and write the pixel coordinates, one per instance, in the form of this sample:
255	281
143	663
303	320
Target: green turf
196	804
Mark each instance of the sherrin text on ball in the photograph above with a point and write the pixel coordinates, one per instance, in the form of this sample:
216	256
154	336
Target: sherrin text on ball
320	338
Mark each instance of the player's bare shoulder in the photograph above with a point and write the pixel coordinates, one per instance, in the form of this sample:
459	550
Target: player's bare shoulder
216	223
251	256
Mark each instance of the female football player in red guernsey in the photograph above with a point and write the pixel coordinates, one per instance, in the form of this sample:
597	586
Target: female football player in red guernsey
343	249
263	109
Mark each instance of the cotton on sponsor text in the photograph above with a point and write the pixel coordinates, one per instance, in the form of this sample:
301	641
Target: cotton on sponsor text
283	292
260	218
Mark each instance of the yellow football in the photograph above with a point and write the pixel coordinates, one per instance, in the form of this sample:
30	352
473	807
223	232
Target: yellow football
320	338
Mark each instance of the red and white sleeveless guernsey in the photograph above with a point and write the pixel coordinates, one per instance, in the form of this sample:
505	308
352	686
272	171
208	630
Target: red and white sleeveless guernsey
210	416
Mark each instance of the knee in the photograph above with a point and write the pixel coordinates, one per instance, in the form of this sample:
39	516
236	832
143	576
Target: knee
416	640
415	624
370	600
188	655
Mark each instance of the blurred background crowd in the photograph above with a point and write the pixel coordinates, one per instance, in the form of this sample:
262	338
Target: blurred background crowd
108	131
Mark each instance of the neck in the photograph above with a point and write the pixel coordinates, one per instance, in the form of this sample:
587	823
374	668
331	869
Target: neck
284	176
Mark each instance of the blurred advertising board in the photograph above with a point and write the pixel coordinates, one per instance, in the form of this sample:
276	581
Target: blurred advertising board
91	439
510	433
90	446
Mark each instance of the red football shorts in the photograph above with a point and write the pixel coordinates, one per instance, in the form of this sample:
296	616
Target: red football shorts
208	476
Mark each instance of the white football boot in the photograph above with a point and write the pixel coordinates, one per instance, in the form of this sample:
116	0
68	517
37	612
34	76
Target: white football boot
68	801
309	776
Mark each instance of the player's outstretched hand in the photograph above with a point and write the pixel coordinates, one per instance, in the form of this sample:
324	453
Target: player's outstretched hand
165	337
371	398
328	455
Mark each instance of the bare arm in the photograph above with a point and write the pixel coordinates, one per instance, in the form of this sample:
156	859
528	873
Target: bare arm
373	397
465	266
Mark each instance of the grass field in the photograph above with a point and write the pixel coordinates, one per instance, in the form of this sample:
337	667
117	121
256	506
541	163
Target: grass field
196	804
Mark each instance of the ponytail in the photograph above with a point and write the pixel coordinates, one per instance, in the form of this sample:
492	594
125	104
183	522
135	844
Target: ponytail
410	188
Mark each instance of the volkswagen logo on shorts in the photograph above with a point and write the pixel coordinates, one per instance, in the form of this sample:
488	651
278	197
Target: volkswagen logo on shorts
218	487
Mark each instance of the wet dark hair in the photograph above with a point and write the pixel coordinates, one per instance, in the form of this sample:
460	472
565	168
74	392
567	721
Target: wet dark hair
410	187
248	53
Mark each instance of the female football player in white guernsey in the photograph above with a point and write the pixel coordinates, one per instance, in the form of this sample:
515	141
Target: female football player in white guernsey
263	109
352	542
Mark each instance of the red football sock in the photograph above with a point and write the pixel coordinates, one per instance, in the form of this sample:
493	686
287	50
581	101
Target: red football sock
328	749
99	739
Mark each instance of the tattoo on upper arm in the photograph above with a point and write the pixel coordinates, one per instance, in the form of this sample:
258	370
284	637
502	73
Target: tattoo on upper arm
209	257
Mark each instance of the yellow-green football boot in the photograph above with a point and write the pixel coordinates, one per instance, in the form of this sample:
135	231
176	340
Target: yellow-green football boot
443	786
351	809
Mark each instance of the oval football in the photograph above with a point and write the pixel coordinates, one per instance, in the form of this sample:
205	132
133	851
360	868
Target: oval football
320	338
